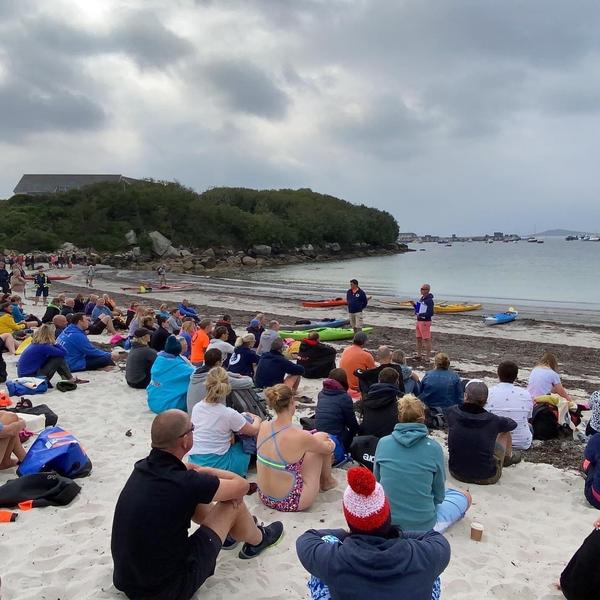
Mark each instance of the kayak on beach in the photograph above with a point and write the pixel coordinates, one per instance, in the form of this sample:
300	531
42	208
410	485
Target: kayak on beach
499	318
397	304
50	277
446	307
306	324
326	334
324	303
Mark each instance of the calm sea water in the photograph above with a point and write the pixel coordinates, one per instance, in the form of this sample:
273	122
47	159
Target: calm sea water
556	274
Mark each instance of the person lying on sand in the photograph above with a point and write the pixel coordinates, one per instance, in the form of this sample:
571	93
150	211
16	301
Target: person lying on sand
152	553
292	465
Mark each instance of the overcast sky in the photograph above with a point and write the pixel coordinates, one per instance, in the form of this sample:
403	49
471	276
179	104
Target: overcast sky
458	116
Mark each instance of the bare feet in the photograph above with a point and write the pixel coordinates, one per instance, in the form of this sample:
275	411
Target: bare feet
328	485
12	462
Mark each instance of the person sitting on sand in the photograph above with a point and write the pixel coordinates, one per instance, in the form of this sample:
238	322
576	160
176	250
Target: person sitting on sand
373	559
140	360
60	323
380	406
225	321
52	310
160	334
591	468
188	328
91	304
10	443
19	316
68	308
273	368
7	322
215	425
9	344
441	387
44	357
318	359
369	377
102	322
197	389
410	379
169	378
82	355
188	311
479	442
200	342
356	357
292	464
79	304
244	359
545	380
163	310
580	579
149	322
152	553
135	315
508	400
268	336
173	323
334	413
410	466
219	340
102	310
130	314
256	328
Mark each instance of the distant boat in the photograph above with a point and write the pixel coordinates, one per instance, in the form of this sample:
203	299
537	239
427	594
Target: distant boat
506	317
594	239
449	245
570	238
532	240
539	241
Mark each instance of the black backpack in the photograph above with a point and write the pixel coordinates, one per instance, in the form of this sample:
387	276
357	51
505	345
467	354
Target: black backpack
248	400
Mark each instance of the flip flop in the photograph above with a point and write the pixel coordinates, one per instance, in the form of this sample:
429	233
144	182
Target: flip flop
77	380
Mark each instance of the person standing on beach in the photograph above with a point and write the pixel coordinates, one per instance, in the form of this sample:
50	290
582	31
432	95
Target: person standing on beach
153	555
162	275
357	302
42	286
424	312
91	272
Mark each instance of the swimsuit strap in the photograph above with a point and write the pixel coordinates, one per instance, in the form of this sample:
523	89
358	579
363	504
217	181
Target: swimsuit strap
271	436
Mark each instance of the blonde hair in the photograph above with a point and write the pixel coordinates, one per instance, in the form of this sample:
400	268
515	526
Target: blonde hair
549	360
245	339
441	361
217	385
44	335
279	397
189	326
410	409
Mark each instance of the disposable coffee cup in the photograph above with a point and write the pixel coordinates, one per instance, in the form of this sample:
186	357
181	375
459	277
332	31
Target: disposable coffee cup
476	531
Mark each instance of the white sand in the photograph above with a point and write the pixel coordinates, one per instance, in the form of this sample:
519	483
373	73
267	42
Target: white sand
534	518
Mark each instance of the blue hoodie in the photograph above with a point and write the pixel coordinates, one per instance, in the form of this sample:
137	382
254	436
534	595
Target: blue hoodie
17	313
365	566
187	311
424	308
357	301
78	348
410	467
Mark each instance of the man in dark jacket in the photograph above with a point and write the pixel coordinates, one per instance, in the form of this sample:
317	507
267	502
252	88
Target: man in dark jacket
380	407
357	302
4	279
52	310
140	360
231	334
369	377
316	358
273	367
479	442
424	309
159	337
373	560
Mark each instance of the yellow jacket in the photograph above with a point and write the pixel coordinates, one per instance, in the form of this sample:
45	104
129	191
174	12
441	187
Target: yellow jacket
8	325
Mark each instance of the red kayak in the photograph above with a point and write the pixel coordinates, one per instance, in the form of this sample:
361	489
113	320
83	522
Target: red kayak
324	303
50	277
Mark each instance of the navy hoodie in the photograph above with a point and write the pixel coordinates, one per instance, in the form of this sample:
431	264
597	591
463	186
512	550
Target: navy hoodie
428	302
357	301
335	412
365	566
273	367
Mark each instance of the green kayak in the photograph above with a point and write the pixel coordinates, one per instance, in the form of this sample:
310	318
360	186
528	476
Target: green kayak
326	334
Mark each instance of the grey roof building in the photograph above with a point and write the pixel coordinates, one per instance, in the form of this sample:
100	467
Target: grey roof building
30	185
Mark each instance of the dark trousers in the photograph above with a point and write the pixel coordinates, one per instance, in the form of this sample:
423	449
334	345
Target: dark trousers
92	363
53	365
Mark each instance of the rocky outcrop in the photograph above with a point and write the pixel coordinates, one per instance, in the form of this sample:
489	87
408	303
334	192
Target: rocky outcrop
261	250
161	245
249	261
131	237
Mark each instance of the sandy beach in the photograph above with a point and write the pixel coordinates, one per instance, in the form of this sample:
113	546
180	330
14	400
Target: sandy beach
534	518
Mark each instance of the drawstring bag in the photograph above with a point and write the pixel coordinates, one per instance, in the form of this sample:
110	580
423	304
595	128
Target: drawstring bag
56	450
27	386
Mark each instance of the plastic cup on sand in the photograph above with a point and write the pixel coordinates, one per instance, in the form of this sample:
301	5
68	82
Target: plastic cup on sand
476	531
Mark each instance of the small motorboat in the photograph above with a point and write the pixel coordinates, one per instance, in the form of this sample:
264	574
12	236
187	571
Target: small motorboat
499	318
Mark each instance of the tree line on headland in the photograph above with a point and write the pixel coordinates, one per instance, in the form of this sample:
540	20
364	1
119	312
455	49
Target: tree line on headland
98	216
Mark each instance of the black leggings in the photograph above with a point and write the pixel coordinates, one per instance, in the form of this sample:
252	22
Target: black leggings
55	364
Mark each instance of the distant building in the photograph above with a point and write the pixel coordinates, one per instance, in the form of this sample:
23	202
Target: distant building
31	185
407	237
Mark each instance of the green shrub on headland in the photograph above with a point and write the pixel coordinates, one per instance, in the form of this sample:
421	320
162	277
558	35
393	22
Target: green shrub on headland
98	216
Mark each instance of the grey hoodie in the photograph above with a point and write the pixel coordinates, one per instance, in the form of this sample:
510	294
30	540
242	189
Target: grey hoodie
197	387
266	340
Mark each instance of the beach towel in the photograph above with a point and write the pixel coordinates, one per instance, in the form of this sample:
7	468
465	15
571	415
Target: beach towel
56	450
22	386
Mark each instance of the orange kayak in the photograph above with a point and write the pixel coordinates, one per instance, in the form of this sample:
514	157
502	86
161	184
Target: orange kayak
50	277
324	303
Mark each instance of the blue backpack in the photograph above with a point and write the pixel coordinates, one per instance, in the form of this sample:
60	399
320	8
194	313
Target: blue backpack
56	450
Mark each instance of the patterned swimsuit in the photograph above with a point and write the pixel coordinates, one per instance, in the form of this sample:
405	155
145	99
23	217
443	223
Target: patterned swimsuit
290	502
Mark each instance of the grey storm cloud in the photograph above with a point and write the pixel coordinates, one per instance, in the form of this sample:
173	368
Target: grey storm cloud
245	87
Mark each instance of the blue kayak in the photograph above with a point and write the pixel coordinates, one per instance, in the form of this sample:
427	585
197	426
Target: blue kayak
304	326
500	318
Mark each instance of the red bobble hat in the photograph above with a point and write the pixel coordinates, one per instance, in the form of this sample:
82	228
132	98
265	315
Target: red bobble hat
366	508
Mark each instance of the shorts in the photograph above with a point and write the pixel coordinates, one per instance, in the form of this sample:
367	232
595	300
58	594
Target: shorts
204	547
234	460
41	292
451	510
423	330
489	480
356	320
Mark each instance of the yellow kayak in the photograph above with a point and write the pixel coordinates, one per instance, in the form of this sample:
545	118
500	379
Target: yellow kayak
446	307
